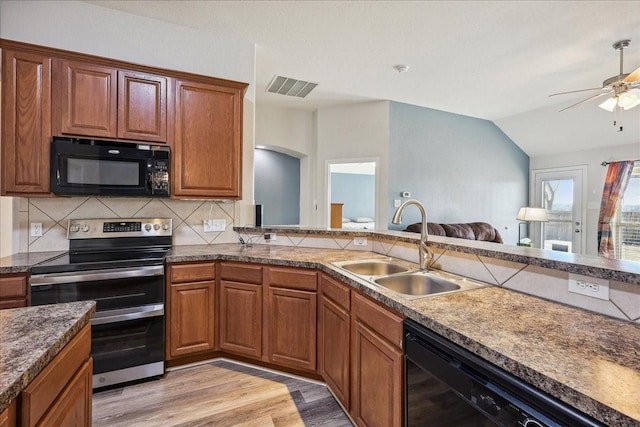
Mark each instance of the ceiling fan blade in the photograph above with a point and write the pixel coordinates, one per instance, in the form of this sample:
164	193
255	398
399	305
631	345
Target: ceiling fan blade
585	100
575	91
634	76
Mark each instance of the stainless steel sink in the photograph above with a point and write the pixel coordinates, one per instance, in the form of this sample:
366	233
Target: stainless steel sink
372	267
419	284
416	284
405	282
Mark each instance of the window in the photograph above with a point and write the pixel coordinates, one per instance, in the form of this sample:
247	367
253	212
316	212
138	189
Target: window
626	222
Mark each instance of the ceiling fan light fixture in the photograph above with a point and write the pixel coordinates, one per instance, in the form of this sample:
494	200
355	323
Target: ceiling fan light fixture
609	104
631	99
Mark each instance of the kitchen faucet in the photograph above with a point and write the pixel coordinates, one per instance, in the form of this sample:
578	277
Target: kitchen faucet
425	254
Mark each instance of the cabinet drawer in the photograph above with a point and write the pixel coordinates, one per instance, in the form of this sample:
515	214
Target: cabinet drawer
179	273
12	303
38	396
241	273
336	292
306	280
13	287
380	319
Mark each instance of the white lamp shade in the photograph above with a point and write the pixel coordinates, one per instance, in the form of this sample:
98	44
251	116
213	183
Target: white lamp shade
627	99
609	104
532	214
633	99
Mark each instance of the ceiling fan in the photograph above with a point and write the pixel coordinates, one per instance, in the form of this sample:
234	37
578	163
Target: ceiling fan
623	88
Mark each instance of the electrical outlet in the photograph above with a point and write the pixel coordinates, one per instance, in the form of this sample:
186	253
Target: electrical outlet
36	229
396	203
211	225
269	236
589	286
359	241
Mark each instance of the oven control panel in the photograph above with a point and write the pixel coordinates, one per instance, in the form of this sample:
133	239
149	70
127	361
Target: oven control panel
119	227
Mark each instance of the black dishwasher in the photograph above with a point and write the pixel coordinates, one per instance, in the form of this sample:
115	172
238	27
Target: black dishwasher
446	385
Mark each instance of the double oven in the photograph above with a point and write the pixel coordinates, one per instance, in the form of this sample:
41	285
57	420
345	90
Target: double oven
120	265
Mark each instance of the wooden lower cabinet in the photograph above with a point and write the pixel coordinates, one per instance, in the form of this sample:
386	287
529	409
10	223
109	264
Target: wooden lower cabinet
61	394
14	291
241	318
376	385
376	364
191	309
334	336
8	416
292	328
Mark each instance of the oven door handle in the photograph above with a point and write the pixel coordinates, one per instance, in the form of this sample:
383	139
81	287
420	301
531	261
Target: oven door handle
95	275
124	315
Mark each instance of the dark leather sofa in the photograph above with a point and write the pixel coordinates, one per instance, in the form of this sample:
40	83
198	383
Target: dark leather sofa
471	230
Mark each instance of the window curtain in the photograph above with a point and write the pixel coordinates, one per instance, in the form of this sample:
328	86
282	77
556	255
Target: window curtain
615	183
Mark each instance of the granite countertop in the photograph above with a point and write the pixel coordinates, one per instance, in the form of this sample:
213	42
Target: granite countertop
22	263
589	361
610	269
31	337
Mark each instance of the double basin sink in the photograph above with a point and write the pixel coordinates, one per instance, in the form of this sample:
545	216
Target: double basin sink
403	281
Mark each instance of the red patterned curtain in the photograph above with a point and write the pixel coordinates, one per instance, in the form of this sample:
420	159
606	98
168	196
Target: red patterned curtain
615	183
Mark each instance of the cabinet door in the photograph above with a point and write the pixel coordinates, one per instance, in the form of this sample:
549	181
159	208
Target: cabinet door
142	106
73	406
26	123
88	99
333	348
207	152
376	379
292	328
191	314
8	417
241	318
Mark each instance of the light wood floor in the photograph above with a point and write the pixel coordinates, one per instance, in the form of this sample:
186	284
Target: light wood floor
220	393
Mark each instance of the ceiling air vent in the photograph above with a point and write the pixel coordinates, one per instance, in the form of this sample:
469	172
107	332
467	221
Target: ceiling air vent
291	87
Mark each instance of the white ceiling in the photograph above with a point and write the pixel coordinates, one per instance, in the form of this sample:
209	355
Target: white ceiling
495	60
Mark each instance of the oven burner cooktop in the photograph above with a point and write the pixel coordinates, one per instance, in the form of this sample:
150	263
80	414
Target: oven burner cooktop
96	244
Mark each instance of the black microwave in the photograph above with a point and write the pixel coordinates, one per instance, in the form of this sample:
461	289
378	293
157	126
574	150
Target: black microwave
83	167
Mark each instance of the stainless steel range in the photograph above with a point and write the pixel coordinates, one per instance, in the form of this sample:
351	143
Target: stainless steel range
119	263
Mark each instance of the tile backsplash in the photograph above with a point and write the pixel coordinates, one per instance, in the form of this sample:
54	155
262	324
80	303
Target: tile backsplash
187	216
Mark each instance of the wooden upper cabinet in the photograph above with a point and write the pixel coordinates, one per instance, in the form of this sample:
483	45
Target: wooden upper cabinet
142	106
26	122
88	100
103	101
207	151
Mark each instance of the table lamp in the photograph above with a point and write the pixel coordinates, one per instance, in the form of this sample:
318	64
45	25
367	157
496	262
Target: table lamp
530	214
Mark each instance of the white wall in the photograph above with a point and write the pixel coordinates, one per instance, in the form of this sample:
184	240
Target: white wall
292	132
86	28
595	179
353	132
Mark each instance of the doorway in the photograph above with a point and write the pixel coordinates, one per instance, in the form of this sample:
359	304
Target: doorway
277	186
560	192
353	186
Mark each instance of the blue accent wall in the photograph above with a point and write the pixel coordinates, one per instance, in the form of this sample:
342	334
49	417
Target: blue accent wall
356	191
277	187
462	169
